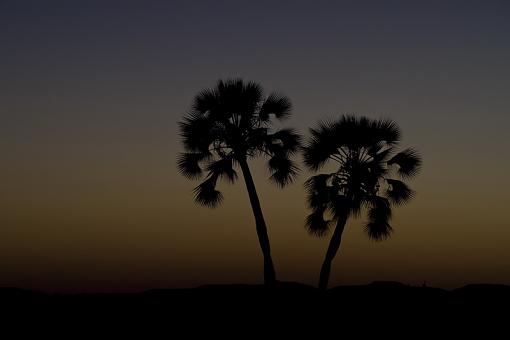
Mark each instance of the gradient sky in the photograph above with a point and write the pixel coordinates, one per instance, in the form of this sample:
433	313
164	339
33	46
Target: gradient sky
91	93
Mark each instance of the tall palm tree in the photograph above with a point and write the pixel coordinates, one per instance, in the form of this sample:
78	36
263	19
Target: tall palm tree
363	154
227	126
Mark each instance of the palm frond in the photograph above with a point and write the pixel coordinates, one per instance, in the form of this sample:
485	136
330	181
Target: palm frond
321	146
387	130
206	193
379	208
206	101
287	139
252	95
258	139
277	105
372	171
408	161
340	206
316	225
351	132
377	153
283	171
189	163
237	97
379	215
398	192
223	168
197	132
355	206
318	191
379	230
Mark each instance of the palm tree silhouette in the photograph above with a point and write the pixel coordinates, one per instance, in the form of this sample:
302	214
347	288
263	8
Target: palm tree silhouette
228	125
362	152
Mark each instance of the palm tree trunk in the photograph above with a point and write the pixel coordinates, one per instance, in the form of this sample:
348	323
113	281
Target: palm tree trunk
269	272
334	245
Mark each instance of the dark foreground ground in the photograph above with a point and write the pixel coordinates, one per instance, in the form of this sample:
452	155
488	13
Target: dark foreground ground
377	308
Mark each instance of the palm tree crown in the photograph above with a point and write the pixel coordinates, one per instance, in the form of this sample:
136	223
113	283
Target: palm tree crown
363	153
231	123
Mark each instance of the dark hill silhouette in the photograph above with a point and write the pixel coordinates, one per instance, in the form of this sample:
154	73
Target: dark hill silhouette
288	292
288	307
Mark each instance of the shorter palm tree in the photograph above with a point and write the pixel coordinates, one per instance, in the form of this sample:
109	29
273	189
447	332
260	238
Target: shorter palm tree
363	153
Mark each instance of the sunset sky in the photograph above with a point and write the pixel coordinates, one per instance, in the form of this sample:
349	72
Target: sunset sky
91	93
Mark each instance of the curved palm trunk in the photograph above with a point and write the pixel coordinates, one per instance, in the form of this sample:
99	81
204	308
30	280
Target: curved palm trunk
334	245
269	272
